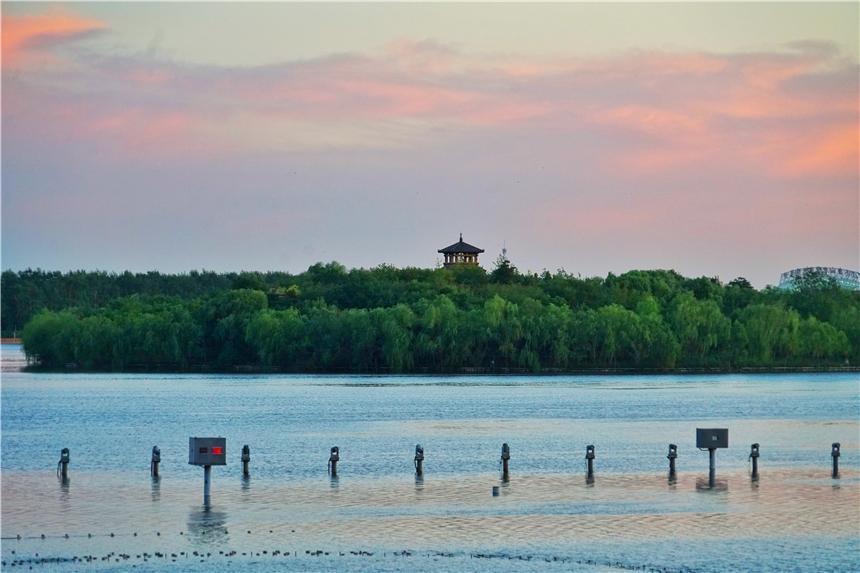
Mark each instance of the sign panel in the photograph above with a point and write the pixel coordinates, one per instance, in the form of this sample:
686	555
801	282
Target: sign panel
207	451
709	438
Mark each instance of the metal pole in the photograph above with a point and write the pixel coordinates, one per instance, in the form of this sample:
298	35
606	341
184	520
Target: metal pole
155	460
333	458
712	470
246	459
673	454
589	460
419	460
754	453
63	464
207	482
834	452
506	457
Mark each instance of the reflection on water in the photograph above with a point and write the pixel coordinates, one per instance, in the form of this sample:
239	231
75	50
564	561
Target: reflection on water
65	502
94	501
207	526
703	484
155	488
535	513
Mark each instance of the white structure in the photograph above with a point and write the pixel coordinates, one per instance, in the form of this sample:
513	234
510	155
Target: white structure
845	278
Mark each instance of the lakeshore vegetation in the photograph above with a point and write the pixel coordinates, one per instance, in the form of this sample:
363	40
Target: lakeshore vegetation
386	319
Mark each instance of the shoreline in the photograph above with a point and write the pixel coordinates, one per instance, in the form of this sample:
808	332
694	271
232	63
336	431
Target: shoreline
468	371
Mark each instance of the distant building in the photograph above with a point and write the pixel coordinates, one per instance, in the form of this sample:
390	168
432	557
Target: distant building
844	278
461	253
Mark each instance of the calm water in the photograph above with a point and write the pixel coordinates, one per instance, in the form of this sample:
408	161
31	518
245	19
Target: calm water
376	516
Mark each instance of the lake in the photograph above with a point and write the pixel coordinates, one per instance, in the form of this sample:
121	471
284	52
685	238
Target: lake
377	516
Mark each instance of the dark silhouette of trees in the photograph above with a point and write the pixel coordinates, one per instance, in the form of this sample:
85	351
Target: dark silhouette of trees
423	320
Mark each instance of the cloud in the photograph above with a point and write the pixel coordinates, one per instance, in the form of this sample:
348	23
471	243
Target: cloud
791	113
29	37
823	151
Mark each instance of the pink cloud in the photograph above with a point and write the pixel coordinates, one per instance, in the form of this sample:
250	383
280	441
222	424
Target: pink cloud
23	35
652	120
788	114
744	111
824	151
392	98
141	130
150	77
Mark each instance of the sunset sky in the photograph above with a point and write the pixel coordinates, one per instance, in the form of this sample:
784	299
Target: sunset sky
717	139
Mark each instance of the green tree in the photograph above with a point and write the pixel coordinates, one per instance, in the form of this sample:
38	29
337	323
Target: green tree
395	329
503	271
702	331
821	342
770	333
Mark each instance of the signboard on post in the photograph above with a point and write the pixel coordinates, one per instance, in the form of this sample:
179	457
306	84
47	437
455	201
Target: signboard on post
207	451
711	438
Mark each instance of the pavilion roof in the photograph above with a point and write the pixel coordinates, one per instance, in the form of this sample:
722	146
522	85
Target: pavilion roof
461	247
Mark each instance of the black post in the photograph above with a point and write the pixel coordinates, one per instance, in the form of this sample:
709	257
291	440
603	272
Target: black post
333	458
673	454
506	456
63	464
246	460
834	452
589	460
419	460
154	461
712	470
754	459
207	485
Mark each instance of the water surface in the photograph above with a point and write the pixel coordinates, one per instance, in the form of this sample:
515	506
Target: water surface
377	516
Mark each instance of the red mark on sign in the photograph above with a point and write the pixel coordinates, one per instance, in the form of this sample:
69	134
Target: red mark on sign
217	451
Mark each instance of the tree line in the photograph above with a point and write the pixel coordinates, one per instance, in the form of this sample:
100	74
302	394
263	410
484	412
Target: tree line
385	319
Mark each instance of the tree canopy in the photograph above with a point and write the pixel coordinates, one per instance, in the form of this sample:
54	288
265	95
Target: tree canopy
387	319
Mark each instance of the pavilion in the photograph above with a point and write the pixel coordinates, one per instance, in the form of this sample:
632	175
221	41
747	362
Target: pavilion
461	253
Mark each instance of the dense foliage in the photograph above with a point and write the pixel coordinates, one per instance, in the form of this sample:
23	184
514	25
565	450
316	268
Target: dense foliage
419	320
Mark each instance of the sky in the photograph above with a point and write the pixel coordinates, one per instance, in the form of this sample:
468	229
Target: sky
716	139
